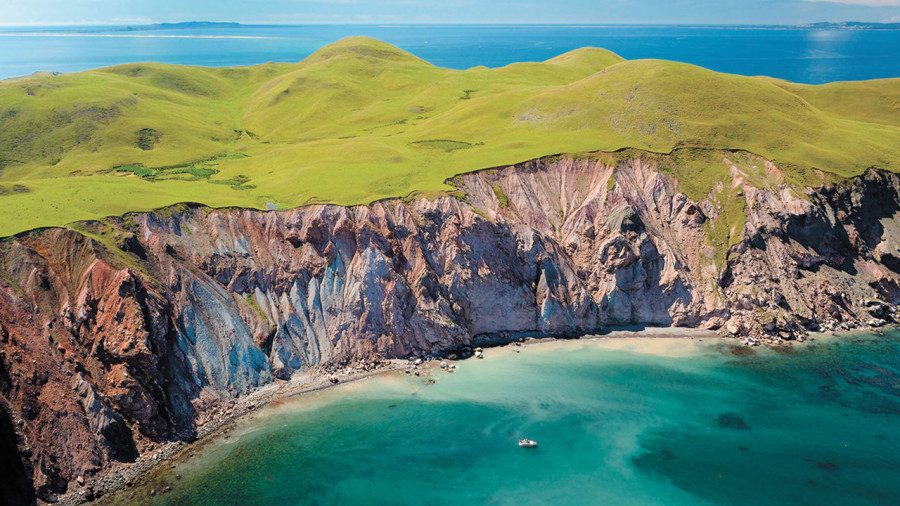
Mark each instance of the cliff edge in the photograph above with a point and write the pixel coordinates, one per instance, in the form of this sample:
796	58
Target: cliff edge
119	335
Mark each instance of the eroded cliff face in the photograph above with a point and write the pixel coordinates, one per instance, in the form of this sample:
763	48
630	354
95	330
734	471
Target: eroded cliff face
131	332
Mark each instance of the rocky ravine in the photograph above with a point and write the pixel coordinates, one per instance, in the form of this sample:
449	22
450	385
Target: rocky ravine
116	341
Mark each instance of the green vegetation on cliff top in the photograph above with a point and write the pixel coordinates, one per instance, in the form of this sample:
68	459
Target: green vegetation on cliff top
361	120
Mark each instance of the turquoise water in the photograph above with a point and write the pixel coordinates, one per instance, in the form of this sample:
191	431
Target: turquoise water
807	56
639	421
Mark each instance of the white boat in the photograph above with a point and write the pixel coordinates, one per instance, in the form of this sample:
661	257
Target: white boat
527	443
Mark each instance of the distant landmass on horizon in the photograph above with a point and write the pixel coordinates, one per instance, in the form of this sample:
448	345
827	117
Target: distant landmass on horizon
182	25
827	25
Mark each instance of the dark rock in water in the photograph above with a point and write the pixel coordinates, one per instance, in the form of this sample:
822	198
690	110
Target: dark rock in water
738	351
651	461
827	466
731	421
784	349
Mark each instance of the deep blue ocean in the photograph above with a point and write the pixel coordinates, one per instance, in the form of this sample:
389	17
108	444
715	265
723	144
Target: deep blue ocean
806	56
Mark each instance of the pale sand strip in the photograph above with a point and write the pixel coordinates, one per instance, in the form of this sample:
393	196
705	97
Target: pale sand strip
118	482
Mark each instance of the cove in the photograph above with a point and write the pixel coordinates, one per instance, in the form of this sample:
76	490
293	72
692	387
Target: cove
618	421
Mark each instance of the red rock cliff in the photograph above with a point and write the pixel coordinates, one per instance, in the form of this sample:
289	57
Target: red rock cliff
122	337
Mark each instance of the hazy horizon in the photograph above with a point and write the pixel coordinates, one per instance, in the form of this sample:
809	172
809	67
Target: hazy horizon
560	25
412	12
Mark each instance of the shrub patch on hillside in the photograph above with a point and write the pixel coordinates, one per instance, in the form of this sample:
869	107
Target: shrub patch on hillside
238	182
16	188
194	171
147	138
445	144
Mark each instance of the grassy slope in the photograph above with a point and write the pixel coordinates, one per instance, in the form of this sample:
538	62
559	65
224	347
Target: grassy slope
361	120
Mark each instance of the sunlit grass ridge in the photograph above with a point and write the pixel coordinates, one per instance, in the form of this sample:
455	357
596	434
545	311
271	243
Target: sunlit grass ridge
361	120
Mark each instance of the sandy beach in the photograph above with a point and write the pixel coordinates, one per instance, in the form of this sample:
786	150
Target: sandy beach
117	484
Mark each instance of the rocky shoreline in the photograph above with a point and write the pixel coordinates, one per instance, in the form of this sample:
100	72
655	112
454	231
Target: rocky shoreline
114	483
117	485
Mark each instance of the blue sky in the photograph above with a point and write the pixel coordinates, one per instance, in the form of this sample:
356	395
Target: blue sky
39	12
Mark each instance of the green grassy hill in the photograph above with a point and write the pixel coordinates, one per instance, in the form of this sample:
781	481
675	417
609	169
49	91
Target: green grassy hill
361	120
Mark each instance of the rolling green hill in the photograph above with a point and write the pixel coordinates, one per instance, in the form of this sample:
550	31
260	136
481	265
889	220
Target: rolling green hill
361	120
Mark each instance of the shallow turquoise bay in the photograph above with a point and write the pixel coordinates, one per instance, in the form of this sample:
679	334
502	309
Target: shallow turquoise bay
619	421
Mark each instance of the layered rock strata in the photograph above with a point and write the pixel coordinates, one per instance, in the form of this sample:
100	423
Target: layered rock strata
120	335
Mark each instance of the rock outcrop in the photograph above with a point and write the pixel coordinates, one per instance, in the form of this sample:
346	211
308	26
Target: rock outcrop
119	335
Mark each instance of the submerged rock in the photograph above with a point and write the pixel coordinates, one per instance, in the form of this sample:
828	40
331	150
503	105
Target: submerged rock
731	421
